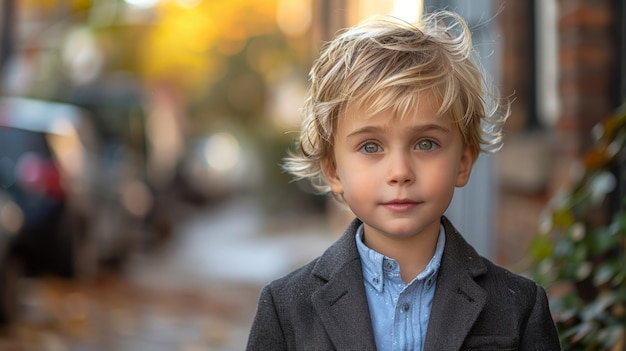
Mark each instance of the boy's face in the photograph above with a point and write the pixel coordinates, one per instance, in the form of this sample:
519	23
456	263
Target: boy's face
398	174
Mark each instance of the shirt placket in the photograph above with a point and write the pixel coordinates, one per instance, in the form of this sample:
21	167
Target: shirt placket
406	309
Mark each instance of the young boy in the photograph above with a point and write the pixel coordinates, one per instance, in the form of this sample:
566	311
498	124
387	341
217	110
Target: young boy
395	118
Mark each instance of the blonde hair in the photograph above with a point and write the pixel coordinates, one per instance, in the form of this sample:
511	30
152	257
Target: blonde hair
384	63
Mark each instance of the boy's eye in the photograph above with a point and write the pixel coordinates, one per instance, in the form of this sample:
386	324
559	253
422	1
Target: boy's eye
426	145
370	148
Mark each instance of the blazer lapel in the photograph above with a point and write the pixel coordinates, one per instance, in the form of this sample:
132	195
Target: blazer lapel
341	303
458	298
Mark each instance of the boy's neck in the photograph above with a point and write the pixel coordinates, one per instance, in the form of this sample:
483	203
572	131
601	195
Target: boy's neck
412	253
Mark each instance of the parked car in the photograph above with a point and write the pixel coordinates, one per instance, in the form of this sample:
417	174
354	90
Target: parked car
217	166
124	204
11	219
52	166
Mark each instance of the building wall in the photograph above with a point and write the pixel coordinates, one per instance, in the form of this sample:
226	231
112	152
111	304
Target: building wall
538	163
588	80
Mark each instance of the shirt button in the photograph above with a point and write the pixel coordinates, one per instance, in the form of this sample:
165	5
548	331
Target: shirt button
405	307
375	280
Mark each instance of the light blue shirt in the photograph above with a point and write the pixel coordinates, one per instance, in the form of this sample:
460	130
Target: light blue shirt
399	311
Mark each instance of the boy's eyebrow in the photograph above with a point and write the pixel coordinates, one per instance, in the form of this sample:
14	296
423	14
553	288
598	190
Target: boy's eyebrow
414	130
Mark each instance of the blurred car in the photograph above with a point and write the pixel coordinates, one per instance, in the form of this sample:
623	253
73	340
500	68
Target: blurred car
216	166
124	204
11	219
51	164
44	167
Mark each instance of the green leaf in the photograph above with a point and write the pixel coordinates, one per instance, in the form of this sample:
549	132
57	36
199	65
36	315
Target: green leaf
563	218
541	247
618	225
604	273
612	335
603	241
582	330
583	271
601	185
620	279
564	248
597	308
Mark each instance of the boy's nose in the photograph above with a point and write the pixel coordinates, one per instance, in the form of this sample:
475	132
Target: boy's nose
400	170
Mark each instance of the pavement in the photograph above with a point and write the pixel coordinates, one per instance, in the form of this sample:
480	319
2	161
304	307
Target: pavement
234	243
197	293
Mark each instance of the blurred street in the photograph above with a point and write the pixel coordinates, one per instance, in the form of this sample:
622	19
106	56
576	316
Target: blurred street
197	292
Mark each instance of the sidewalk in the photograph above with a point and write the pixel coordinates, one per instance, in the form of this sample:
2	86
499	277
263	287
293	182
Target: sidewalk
227	254
198	293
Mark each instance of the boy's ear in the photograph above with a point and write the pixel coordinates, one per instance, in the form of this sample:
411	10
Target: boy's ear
468	157
329	167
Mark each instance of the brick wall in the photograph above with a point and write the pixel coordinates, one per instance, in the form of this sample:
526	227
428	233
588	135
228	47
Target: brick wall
587	78
516	59
587	84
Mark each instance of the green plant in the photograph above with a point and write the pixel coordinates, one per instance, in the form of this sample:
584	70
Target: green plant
579	254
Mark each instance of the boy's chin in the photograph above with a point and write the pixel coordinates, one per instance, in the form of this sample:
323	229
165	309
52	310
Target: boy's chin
406	231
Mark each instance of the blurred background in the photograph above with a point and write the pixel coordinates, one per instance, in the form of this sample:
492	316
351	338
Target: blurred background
142	204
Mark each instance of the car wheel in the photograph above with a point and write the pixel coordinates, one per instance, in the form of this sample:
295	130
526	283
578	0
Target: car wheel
10	275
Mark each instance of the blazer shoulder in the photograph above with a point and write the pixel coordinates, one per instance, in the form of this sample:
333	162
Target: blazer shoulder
502	284
498	272
294	282
490	276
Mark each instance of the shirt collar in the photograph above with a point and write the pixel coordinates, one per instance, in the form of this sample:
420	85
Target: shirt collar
374	262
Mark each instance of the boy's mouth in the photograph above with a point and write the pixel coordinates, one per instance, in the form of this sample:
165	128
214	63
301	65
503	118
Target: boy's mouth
400	205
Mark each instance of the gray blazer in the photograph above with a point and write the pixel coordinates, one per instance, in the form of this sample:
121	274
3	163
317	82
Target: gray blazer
477	305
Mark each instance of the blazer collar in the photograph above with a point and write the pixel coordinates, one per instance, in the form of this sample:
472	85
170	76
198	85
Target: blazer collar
341	303
458	298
